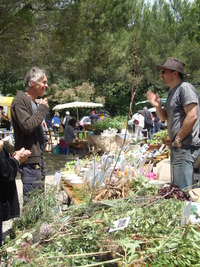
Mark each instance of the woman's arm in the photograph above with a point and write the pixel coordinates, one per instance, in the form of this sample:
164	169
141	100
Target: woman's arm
9	165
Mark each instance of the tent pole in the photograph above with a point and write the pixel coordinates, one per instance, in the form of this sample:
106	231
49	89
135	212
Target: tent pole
77	114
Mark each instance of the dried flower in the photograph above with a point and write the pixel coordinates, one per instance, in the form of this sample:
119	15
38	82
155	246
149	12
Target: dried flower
45	229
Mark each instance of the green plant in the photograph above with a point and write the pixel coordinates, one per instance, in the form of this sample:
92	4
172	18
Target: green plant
106	124
122	120
158	138
38	209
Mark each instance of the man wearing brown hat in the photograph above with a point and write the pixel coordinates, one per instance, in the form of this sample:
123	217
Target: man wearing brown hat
181	111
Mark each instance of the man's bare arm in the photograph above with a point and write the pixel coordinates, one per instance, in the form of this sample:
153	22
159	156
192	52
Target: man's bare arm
189	121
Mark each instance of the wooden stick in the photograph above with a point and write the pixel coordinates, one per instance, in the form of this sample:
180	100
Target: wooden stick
102	263
88	254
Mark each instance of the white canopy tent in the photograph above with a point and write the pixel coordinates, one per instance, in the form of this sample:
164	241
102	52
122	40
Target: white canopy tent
77	105
152	109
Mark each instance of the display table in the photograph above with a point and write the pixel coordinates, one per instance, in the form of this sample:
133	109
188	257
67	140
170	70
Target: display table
106	144
83	135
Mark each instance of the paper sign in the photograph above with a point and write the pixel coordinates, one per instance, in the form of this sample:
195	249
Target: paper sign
145	148
141	170
190	213
122	164
87	175
131	163
120	224
149	167
137	162
143	161
106	163
57	178
152	154
103	159
77	166
161	148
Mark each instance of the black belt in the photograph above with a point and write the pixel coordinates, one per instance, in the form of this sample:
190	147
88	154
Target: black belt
34	166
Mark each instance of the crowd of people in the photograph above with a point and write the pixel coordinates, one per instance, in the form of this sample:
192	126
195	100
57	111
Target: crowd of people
28	116
145	124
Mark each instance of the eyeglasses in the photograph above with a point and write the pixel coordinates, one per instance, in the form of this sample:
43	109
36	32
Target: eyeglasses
165	71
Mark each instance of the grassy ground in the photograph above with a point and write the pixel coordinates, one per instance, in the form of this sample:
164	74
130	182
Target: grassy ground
54	162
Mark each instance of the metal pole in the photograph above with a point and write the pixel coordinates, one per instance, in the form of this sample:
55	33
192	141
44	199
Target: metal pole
77	114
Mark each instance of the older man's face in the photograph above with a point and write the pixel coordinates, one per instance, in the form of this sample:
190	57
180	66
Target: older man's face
41	86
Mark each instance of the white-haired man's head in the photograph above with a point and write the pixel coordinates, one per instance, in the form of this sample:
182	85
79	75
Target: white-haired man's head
34	74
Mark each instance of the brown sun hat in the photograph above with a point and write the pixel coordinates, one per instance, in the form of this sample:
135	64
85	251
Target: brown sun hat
173	64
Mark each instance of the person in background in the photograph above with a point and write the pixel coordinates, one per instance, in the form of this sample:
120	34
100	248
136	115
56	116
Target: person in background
93	117
72	141
138	120
156	123
66	119
4	119
44	126
56	123
45	132
148	122
181	111
48	120
101	117
9	203
27	116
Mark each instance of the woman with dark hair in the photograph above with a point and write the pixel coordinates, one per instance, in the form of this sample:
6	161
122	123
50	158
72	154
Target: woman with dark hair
9	203
72	141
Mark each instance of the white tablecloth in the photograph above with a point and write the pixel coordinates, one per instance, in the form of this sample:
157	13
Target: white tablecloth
106	144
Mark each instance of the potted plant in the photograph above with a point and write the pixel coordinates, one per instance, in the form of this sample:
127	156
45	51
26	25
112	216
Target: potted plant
100	126
158	139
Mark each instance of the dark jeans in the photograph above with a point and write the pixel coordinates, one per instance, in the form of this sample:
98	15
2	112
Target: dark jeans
149	131
33	177
156	127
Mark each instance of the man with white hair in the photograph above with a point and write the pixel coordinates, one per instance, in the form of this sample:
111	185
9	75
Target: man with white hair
66	119
27	117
